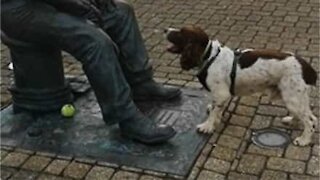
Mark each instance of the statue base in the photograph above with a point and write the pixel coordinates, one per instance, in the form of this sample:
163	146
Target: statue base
86	136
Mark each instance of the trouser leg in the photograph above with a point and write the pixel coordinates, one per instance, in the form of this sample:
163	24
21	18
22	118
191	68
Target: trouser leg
120	23
40	23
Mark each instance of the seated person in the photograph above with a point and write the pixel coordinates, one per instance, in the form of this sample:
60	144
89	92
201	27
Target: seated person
104	36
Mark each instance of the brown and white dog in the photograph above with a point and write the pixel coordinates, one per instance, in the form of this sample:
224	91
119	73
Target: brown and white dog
225	73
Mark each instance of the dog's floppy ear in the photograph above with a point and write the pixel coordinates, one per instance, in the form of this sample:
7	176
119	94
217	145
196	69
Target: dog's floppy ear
190	56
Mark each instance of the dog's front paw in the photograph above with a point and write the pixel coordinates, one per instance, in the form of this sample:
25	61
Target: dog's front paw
300	141
206	127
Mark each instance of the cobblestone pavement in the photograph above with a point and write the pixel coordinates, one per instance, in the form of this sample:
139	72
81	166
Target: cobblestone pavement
285	24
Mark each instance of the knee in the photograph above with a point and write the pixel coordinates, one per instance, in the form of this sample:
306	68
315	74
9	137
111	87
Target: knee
91	43
97	40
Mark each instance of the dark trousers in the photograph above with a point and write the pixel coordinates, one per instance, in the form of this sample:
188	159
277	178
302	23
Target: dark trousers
113	56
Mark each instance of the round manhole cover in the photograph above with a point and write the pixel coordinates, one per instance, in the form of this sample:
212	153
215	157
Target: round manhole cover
270	138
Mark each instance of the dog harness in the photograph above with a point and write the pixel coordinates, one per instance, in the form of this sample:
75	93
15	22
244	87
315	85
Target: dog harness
203	73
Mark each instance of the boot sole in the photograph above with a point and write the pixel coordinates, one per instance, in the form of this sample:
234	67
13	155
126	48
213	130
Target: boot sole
155	98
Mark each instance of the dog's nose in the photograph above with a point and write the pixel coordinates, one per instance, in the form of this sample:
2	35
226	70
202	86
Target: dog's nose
165	30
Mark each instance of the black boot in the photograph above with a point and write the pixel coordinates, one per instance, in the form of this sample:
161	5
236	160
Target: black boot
150	90
145	130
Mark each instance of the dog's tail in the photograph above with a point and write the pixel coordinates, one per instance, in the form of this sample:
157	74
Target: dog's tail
308	73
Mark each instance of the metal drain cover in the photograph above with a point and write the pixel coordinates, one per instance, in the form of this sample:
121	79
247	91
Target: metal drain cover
270	138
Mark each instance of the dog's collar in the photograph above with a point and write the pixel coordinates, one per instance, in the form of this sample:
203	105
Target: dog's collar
202	74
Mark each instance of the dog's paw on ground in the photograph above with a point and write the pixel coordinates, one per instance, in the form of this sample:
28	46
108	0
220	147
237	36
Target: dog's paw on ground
300	141
205	127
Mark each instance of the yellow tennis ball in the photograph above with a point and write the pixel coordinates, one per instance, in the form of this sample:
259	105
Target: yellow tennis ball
68	110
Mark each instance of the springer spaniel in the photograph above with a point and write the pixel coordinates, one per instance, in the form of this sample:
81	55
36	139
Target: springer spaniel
225	73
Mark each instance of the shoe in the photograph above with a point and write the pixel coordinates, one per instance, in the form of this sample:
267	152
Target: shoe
145	130
150	90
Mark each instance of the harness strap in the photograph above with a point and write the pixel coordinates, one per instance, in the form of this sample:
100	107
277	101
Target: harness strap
237	56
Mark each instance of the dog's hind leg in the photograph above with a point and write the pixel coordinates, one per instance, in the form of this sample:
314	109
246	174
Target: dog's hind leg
295	95
221	96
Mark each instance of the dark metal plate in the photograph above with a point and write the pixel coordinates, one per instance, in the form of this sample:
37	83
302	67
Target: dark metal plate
86	135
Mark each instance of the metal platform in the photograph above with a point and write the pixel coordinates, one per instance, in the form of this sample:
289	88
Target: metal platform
86	135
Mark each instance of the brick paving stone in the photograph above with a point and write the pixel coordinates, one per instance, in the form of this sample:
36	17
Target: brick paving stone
316	150
51	177
250	100
57	166
242	149
193	84
207	150
217	165
236	131
271	175
168	69
147	177
251	164
234	165
291	18
121	175
245	110
297	152
229	141
232	106
260	122
177	82
201	160
14	159
24	175
272	110
194	173
3	153
6	172
160	74
36	163
223	153
76	170
302	177
265	152
313	166
180	77
205	175
161	80
239	176
287	165
99	173
240	120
